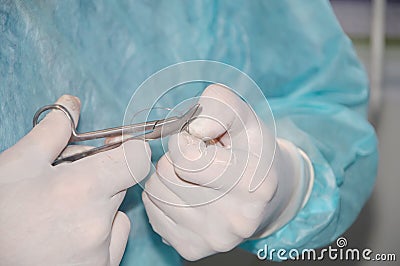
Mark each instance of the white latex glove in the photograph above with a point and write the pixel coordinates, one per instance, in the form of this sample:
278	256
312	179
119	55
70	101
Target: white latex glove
221	173
65	214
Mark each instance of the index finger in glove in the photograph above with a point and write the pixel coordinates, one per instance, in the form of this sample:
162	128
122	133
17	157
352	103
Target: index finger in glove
120	168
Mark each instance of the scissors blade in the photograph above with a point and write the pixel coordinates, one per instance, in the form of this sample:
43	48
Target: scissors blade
169	126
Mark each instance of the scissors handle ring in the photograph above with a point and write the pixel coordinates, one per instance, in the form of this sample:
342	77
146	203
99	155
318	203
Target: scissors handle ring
55	107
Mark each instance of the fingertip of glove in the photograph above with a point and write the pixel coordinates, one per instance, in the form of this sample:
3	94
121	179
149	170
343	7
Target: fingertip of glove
137	146
73	103
124	219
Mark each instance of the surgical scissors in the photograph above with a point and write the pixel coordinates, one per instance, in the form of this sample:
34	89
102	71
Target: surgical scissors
149	130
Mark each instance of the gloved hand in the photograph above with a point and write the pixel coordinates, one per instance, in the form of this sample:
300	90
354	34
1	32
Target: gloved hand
216	187
65	214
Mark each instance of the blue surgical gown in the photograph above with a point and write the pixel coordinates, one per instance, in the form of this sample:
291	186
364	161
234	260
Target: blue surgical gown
295	51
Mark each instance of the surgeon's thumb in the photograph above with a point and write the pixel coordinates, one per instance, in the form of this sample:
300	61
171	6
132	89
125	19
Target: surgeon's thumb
119	237
221	108
51	135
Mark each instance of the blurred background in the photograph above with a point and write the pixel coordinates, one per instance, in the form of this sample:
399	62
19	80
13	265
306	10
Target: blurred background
374	27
